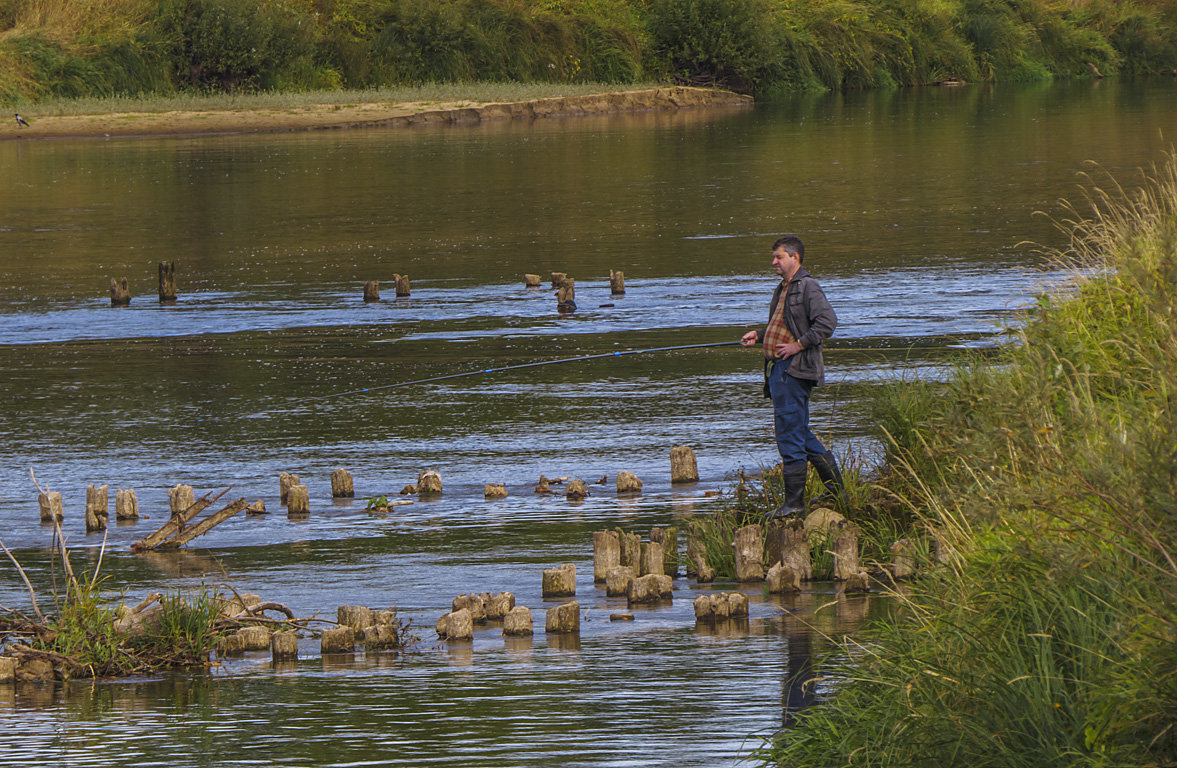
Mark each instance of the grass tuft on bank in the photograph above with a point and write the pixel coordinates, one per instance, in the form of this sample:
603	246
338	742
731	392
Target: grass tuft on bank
1050	637
103	48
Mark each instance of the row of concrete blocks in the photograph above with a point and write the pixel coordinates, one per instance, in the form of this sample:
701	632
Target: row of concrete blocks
616	281
120	289
374	630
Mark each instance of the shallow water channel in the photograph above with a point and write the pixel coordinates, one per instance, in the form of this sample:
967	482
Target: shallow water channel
916	207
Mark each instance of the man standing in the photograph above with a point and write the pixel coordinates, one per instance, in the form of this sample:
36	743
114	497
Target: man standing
799	320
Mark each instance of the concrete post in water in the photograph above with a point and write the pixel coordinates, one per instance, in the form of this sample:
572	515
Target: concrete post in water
99	498
231	645
628	482
845	550
498	606
749	549
50	504
531	281
285	480
563	619
298	500
180	497
494	491
794	546
616	282
644	589
558	278
606	553
372	291
167	281
566	296
284	646
256	508
560	582
517	622
903	562
474	604
338	640
459	625
857	582
650	558
402	285
781	579
668	538
429	482
7	670
665	586
683	468
94	521
703	571
617	580
575	490
254	638
341	485
120	292
355	616
126	504
631	548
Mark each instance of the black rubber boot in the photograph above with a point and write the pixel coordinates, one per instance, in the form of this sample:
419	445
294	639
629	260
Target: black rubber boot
831	477
793	477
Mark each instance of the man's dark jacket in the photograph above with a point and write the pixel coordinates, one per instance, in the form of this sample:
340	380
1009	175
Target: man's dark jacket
811	320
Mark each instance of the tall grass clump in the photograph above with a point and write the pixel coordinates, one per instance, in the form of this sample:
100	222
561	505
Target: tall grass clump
1050	638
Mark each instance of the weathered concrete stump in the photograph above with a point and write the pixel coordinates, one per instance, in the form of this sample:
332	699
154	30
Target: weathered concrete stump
560	582
576	489
284	646
429	482
298	500
665	586
903	559
720	606
126	504
98	497
558	279
566	296
697	564
644	589
402	284
606	553
474	604
628	482
254	638
517	622
794	545
231	645
167	281
683	468
180	497
7	669
94	521
120	292
845	548
531	281
338	640
617	580
668	538
285	480
372	290
355	616
498	606
782	580
378	636
459	625
631	548
50	504
256	508
494	491
650	560
563	619
616	282
342	486
749	549
857	582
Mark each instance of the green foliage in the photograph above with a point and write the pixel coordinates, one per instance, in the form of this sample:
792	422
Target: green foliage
1048	640
184	632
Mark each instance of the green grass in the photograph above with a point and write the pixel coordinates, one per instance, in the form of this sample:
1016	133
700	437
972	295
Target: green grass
1050	639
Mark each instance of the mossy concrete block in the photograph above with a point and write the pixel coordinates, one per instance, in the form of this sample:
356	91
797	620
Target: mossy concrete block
50	504
683	467
254	638
342	485
517	622
563	619
498	606
606	553
298	500
472	602
355	616
628	482
494	491
7	669
903	564
631	548
749	553
781	579
650	560
231	645
576	489
459	625
284	646
560	582
617	580
644	589
338	640
126	504
429	482
857	582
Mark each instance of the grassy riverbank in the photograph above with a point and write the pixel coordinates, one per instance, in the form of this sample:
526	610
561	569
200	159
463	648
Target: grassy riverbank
1049	639
96	48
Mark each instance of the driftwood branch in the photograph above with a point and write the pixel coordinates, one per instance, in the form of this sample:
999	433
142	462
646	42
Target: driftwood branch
204	526
21	571
177	523
252	613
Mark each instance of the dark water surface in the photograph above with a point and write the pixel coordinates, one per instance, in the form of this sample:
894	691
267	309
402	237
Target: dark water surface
915	206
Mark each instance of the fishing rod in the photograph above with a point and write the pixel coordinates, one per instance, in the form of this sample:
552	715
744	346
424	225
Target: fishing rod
481	371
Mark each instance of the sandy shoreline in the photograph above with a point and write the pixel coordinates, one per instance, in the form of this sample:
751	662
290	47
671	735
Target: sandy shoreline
364	115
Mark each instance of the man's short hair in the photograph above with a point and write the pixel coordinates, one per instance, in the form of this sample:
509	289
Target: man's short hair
792	244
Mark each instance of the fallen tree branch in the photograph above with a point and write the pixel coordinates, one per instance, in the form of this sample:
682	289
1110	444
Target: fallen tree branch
21	571
176	524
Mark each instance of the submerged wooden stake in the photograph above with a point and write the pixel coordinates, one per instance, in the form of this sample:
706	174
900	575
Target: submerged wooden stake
126	504
120	292
167	281
616	282
531	281
341	485
372	290
50	504
180	498
402	285
606	553
749	551
683	467
298	500
285	480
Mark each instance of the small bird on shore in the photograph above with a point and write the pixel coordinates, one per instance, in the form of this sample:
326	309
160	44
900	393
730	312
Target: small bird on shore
21	122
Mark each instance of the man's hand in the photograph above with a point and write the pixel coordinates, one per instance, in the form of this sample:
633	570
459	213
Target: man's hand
787	350
748	339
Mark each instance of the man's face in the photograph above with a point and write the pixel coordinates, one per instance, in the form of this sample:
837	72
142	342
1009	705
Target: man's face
784	263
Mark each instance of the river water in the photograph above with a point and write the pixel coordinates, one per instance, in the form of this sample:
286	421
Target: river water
916	207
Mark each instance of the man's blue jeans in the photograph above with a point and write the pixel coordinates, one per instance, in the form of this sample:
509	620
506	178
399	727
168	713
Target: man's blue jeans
790	405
